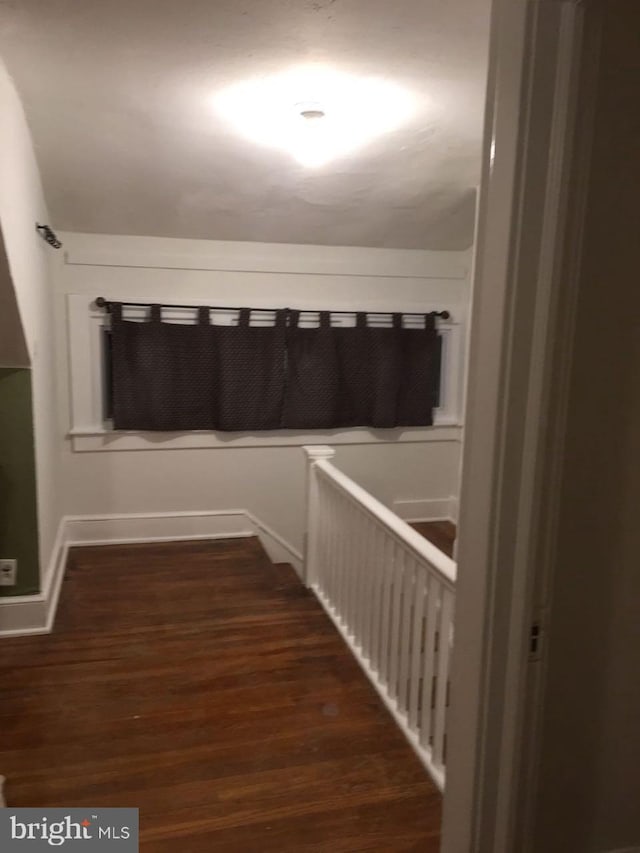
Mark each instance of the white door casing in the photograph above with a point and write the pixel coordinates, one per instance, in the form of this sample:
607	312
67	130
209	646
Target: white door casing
521	343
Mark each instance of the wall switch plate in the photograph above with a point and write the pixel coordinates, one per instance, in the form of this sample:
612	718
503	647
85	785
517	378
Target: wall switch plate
8	572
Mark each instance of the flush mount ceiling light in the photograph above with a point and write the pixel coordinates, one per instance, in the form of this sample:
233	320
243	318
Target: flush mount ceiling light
315	113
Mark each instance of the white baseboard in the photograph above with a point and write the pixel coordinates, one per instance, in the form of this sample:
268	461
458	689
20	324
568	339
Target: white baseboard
277	548
453	509
433	509
157	527
22	615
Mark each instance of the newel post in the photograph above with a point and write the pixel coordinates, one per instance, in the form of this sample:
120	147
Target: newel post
314	454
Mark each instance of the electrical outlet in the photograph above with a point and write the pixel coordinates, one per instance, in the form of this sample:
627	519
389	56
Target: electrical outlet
8	572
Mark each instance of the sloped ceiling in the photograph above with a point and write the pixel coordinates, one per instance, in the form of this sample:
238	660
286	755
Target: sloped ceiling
119	98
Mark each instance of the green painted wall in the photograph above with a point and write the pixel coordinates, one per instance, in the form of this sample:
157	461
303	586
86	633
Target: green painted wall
18	508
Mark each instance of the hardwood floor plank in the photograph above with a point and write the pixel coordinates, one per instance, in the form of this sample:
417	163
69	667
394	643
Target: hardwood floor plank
207	687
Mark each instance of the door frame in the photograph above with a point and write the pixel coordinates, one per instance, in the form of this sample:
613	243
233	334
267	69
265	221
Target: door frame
538	129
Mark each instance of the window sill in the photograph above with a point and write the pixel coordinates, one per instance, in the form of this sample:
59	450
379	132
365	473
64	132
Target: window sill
98	439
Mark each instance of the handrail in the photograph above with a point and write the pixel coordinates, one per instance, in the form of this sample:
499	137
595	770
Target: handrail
391	594
423	549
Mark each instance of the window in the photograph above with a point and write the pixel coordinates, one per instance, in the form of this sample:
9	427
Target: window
89	352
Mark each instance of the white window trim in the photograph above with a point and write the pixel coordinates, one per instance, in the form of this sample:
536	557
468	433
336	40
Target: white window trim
89	432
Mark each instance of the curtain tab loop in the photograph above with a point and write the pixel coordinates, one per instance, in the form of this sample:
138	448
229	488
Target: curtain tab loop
204	316
361	320
155	314
325	319
430	322
244	316
115	310
294	318
397	321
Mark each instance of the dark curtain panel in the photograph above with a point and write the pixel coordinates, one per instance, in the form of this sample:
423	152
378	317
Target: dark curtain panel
249	384
173	377
107	377
362	376
420	369
312	399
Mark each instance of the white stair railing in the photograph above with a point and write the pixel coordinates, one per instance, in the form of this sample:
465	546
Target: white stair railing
391	594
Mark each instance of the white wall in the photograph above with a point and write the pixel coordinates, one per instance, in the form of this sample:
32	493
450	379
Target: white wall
267	480
21	205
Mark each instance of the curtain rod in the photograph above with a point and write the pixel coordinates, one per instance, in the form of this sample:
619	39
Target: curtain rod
101	302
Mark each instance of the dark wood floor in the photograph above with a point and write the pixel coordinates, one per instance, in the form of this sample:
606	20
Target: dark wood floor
441	533
205	686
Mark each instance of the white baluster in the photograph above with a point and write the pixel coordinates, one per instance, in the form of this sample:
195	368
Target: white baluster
442	680
346	562
387	590
405	632
321	536
356	600
377	563
396	614
333	546
347	568
340	558
369	586
364	580
354	570
417	647
431	627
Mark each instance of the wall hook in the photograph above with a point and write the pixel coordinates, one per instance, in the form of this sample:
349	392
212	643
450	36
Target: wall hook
47	234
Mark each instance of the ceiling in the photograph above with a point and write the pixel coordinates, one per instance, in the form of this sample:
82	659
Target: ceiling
119	96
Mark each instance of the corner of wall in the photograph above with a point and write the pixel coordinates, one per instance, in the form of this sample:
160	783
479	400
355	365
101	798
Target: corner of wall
22	204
